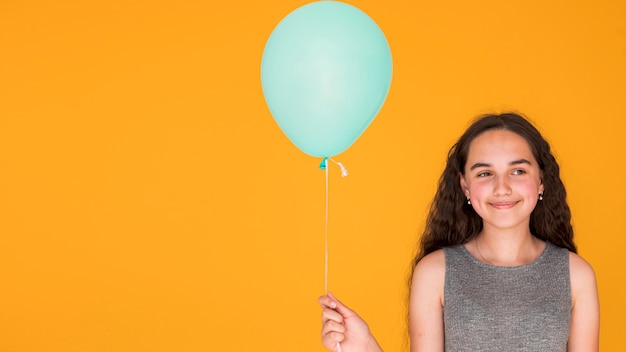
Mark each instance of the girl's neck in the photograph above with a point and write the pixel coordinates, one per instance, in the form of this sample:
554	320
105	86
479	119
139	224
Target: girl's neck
506	248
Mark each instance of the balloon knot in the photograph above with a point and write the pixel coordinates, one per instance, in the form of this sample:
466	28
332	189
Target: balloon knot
324	164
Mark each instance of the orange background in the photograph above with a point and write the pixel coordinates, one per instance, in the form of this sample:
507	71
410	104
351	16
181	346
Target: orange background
149	202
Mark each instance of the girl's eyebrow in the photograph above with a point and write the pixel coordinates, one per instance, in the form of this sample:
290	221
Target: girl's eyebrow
477	165
520	161
514	162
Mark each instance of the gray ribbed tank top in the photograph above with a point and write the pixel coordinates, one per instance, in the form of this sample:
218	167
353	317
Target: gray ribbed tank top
492	308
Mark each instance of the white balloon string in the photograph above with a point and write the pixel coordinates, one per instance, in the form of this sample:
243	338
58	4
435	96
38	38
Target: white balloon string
326	233
344	173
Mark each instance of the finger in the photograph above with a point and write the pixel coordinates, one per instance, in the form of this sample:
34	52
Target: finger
340	307
330	314
333	326
327	302
331	340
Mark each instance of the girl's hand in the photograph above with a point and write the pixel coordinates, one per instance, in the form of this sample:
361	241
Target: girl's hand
342	325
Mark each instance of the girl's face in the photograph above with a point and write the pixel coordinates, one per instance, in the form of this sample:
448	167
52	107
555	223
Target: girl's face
502	179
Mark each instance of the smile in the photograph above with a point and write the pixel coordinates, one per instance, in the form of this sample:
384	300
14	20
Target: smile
503	205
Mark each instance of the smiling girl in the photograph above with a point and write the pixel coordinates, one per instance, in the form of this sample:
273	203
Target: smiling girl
497	268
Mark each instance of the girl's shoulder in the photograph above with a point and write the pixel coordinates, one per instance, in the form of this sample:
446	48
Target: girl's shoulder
433	263
578	264
428	280
582	274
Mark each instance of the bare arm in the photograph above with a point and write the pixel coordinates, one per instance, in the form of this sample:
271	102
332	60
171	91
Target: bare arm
584	332
426	304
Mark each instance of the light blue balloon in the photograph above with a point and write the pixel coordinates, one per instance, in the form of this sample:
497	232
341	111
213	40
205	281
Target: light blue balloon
325	72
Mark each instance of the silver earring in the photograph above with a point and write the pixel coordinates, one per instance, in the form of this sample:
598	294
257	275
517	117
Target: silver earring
468	201
541	196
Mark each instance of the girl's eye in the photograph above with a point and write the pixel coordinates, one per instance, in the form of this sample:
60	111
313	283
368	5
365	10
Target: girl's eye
519	172
484	174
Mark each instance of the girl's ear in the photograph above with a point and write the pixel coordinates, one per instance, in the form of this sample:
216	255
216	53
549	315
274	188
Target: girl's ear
464	185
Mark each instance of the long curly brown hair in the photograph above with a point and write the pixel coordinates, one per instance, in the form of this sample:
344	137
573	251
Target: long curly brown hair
452	221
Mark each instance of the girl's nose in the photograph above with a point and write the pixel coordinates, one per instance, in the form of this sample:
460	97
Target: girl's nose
501	187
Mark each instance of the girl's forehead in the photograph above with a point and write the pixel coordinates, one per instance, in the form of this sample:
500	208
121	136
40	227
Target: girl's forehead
499	143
